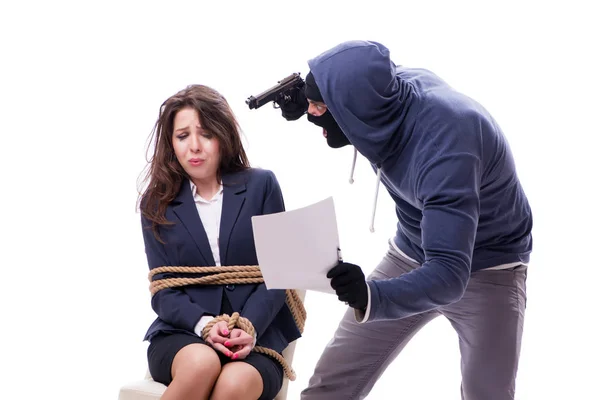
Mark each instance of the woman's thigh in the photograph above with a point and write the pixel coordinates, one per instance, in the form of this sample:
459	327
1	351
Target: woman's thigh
268	380
168	352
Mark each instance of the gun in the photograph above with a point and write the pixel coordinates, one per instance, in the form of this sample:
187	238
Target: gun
278	94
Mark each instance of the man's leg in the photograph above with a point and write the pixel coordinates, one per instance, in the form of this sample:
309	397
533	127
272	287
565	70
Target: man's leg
358	354
489	321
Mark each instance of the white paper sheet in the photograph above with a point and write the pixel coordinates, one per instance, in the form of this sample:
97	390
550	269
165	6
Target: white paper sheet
296	248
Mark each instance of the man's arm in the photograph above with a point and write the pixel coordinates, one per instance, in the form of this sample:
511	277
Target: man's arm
448	186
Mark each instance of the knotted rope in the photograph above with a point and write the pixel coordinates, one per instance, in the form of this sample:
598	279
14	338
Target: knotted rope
241	274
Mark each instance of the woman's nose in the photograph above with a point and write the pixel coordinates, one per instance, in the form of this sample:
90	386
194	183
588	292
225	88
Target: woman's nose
195	144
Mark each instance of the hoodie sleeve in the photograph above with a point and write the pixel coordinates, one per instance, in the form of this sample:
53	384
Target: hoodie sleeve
448	187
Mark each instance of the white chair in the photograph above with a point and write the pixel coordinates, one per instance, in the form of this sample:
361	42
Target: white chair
148	389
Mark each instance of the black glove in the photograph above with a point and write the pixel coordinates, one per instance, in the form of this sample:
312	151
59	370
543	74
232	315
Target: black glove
349	284
294	105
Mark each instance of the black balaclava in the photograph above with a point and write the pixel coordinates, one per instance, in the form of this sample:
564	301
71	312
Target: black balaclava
335	136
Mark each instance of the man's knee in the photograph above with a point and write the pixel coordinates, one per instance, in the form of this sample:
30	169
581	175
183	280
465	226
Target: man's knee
492	386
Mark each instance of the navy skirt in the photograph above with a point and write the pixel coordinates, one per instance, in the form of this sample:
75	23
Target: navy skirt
165	346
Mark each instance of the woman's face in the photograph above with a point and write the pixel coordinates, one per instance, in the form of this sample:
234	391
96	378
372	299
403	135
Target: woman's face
196	149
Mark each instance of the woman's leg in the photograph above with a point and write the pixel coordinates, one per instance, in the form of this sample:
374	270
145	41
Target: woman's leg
258	376
195	369
238	380
188	367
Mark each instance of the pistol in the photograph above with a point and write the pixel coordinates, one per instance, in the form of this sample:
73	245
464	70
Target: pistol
280	94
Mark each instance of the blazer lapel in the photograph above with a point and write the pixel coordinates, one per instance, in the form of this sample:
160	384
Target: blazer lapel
234	195
187	213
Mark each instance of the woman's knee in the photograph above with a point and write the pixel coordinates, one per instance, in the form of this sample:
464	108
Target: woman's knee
238	380
196	363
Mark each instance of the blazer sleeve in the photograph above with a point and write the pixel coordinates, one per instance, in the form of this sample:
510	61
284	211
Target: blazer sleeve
173	306
264	304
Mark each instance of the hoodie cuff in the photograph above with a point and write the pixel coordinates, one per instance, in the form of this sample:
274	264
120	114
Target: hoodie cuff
359	315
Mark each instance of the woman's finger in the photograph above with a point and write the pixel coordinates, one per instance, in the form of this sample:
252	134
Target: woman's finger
242	340
236	332
221	348
217	332
222	328
216	337
242	353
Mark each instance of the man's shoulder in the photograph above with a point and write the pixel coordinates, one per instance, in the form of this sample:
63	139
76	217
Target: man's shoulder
448	111
438	97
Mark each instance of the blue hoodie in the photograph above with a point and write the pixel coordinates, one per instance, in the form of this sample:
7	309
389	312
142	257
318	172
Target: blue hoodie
445	162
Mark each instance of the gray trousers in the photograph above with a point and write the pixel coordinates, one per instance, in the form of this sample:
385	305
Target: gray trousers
488	320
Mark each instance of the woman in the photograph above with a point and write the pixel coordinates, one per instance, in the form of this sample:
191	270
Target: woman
196	211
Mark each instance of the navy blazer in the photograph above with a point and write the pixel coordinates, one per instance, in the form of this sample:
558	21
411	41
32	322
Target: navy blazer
251	192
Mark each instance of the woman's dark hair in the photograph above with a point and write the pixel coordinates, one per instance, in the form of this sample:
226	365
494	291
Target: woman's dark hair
164	173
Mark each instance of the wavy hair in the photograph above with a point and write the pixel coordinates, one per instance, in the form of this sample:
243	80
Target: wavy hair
164	174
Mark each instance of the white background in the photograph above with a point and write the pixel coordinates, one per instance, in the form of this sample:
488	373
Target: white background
80	88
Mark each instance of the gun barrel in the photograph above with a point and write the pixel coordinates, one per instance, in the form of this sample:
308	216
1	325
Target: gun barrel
273	93
251	101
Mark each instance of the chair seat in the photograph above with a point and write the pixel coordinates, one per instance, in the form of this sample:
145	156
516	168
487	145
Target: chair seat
147	389
144	389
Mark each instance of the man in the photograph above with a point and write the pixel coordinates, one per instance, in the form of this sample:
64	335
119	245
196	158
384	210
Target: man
463	237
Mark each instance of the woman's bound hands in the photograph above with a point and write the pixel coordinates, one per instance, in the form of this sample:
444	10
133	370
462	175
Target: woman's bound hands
236	344
241	343
218	334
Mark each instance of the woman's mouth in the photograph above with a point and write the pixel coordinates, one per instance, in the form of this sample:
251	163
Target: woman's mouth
196	162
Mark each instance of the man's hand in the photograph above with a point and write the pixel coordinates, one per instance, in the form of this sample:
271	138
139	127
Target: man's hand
217	336
240	343
349	284
295	107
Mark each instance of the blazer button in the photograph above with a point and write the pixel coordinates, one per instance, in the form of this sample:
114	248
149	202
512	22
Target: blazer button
230	287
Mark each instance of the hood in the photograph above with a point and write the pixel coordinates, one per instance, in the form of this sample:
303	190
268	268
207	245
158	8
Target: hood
358	82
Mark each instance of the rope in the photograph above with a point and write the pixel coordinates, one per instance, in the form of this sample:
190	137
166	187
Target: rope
243	323
239	274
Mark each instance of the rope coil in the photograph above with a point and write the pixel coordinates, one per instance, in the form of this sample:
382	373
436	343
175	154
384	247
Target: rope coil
238	274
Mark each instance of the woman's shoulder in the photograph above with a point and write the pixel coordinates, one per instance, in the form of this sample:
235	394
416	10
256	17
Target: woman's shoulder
254	176
263	173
